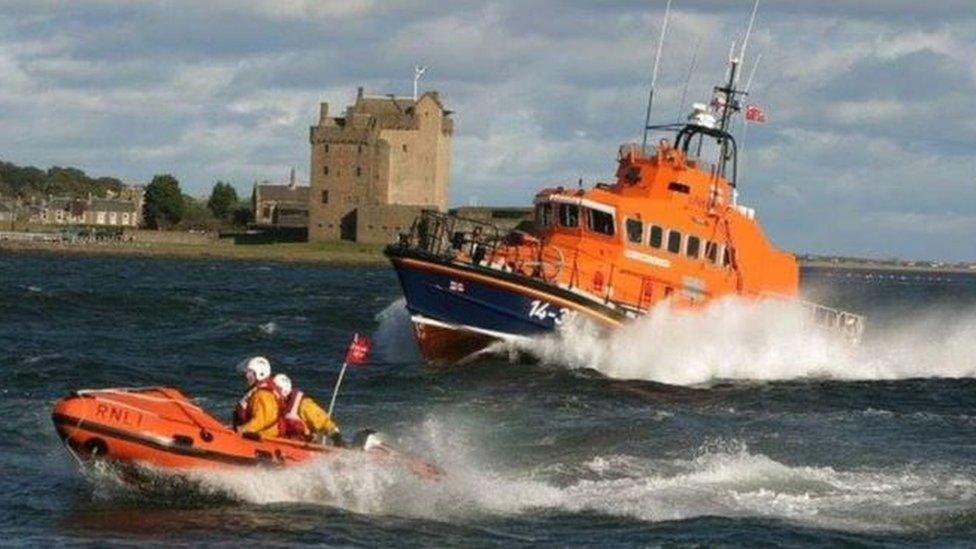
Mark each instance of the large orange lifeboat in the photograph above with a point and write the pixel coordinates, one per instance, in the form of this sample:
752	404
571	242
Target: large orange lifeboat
161	428
670	230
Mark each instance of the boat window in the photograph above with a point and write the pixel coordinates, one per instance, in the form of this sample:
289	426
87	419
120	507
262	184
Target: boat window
674	242
693	247
657	236
711	252
543	215
569	215
600	222
728	257
679	187
635	231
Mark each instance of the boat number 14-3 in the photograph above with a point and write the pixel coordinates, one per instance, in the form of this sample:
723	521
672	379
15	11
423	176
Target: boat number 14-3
545	311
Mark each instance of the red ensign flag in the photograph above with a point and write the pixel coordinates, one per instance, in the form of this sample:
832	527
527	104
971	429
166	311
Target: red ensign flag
358	351
755	114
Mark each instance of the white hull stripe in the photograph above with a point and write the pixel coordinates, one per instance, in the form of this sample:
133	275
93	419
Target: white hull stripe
420	319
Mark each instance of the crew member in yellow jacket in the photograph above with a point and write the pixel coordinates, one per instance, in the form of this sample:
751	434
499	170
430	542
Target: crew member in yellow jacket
303	417
259	410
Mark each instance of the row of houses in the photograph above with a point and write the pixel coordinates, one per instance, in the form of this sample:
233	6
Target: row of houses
120	210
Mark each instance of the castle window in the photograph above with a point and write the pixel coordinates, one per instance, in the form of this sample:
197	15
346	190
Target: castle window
657	236
325	197
266	211
360	149
326	147
674	241
635	231
359	171
325	170
404	147
693	247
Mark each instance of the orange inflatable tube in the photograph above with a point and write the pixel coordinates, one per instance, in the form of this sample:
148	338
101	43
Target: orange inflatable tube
161	427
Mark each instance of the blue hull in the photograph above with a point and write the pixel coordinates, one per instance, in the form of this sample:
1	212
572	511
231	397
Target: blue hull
458	309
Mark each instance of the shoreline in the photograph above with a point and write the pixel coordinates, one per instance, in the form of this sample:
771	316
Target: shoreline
884	267
328	253
333	253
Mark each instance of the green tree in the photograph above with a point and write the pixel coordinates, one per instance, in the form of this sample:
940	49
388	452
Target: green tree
163	202
223	198
242	214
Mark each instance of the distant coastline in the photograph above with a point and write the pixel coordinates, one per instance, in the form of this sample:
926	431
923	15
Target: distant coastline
887	266
340	253
347	253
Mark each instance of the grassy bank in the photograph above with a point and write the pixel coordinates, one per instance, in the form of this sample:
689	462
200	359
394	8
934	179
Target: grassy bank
291	252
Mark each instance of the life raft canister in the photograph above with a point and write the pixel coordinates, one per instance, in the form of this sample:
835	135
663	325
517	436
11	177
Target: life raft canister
242	412
290	425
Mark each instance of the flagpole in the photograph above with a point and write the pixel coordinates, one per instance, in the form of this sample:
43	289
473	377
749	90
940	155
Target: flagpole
335	392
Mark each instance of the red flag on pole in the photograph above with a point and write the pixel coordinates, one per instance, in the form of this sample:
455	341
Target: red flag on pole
755	114
358	351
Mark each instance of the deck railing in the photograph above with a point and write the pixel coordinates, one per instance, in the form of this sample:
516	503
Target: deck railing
470	241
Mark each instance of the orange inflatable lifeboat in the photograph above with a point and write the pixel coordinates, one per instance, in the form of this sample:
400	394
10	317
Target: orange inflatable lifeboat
160	427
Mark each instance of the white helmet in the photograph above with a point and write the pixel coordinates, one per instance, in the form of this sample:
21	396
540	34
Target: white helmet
283	383
255	369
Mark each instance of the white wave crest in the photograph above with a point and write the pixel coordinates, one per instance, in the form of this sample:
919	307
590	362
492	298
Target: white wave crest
770	340
720	479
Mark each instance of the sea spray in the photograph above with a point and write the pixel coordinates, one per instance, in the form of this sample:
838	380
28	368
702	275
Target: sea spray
721	478
733	339
394	338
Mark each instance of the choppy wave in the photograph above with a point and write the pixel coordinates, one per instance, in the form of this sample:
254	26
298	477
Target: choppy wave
719	479
736	340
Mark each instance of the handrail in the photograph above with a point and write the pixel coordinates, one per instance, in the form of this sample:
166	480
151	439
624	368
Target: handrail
478	243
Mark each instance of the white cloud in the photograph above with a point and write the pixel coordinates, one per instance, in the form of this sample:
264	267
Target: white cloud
866	101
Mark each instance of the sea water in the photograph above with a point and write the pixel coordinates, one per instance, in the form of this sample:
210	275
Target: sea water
743	425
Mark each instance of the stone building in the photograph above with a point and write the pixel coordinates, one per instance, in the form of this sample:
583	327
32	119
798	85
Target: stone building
112	212
280	206
375	168
116	210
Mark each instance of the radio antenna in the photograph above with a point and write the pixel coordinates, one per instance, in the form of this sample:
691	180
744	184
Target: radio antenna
752	21
691	69
657	62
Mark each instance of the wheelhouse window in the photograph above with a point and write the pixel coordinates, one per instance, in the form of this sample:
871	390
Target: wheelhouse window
728	257
569	215
674	242
635	231
600	222
711	252
657	236
693	247
543	214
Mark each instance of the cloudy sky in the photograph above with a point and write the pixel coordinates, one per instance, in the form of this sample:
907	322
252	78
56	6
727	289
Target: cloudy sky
870	147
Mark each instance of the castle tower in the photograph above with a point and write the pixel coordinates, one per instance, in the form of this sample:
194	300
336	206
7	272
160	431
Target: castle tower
374	169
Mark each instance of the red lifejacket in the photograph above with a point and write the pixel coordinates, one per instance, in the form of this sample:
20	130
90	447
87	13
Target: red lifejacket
242	412
290	424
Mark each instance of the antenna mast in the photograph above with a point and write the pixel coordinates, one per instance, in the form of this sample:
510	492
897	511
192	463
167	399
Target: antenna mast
745	41
657	61
691	70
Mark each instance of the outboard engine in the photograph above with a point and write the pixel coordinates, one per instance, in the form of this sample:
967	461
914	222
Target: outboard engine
366	439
